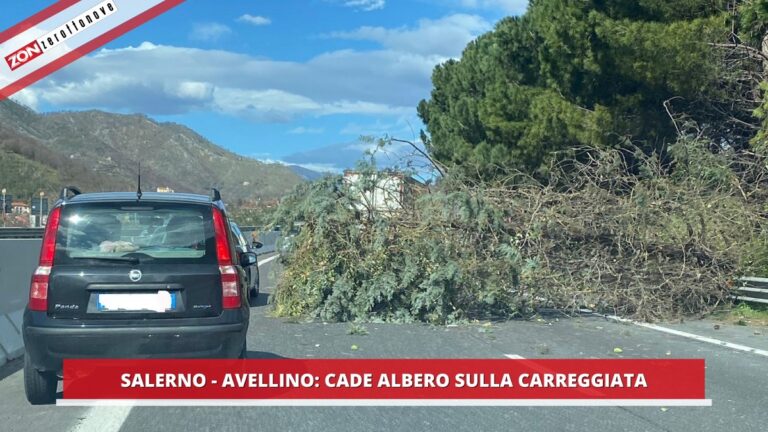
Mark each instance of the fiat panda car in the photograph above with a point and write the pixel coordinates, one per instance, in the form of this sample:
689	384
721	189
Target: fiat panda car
127	275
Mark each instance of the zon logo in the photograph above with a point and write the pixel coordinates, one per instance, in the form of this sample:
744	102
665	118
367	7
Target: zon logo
24	55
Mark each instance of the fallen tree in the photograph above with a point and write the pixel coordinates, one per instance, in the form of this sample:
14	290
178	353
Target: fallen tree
611	230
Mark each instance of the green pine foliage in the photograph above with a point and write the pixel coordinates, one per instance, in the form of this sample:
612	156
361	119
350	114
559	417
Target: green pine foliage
445	259
570	74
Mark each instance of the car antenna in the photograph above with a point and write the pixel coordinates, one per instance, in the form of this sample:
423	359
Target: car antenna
138	191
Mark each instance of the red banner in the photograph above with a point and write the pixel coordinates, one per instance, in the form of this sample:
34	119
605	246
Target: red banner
385	379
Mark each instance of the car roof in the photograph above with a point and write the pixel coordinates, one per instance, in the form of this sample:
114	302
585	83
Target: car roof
145	197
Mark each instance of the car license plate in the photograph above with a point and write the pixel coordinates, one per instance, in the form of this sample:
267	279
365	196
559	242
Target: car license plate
161	301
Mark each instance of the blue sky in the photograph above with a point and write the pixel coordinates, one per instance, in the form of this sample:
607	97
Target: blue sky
290	81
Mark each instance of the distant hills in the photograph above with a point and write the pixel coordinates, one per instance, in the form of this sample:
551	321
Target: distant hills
306	174
100	151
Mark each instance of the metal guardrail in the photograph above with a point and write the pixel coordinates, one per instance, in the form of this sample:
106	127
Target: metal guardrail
752	290
21	233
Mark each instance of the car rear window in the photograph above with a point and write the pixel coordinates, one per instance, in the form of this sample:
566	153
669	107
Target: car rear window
144	231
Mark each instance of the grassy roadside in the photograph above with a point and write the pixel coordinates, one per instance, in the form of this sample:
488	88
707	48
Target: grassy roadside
744	314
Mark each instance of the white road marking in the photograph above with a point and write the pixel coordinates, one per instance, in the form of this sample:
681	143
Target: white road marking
699	338
261	263
102	418
514	356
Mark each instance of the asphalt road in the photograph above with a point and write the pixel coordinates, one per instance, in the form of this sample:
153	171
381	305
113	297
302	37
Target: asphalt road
737	381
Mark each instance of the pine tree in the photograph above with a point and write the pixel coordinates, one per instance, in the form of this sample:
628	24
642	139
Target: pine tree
577	73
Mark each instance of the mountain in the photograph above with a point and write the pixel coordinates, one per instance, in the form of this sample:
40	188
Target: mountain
306	174
100	151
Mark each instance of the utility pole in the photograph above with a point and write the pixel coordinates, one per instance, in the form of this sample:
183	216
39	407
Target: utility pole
41	208
4	207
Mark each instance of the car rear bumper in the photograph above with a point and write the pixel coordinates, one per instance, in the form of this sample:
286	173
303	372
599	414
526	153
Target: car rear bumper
48	343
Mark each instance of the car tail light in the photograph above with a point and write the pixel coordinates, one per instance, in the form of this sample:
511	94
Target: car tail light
230	290
38	288
230	280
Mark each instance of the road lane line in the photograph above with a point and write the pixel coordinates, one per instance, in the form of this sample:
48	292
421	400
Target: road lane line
514	356
696	337
102	418
268	260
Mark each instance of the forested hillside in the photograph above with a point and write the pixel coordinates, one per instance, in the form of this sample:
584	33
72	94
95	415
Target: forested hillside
101	151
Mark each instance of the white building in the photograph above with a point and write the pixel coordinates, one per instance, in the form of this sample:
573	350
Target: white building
388	192
20	207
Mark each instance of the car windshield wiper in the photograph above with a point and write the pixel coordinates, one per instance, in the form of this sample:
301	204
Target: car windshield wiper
132	260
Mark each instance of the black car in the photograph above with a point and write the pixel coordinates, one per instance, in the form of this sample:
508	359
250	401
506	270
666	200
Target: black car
252	271
127	275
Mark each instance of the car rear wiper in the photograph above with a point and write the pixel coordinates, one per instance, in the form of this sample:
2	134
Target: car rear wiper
132	260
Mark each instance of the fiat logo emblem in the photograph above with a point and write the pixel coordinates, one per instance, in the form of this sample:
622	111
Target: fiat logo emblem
135	275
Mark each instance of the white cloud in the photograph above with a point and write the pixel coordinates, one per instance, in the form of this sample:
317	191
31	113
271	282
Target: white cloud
365	108
272	106
144	46
165	80
512	7
185	79
321	168
209	32
366	5
256	20
345	155
317	167
401	127
276	106
191	90
27	97
90	90
445	37
301	130
393	149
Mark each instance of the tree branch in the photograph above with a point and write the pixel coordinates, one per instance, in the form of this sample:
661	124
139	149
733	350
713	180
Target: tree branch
747	48
423	153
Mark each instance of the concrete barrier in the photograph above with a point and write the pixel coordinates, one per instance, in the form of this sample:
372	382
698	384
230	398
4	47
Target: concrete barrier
18	259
